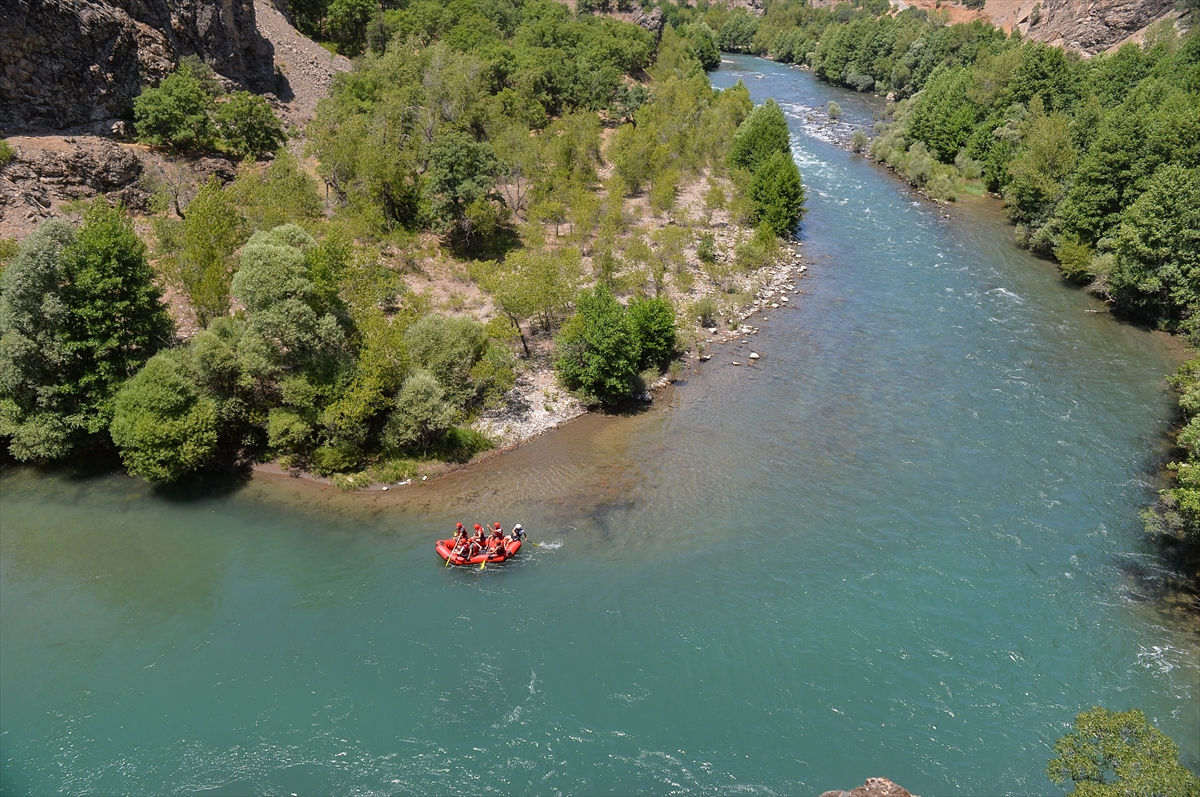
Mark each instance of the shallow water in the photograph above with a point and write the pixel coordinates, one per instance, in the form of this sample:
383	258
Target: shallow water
905	543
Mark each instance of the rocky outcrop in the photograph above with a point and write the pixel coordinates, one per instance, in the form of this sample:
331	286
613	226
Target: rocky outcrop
1093	26
76	65
874	787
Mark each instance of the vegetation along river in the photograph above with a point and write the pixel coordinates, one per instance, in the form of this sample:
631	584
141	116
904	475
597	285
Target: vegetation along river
905	543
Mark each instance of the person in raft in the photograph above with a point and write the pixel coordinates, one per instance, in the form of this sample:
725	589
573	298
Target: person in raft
477	542
496	540
518	533
460	538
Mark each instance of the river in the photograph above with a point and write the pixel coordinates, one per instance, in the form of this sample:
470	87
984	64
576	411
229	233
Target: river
905	543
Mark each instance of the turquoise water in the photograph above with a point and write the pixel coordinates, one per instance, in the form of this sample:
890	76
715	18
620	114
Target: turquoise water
904	544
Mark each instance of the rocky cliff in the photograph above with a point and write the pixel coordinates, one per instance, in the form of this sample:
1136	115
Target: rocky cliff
78	64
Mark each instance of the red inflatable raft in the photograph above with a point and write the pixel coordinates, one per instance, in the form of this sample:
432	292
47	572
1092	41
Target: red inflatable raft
507	550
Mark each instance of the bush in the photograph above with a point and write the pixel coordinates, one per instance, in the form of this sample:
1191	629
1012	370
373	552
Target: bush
597	350
833	109
706	249
705	310
653	323
162	424
858	142
448	348
1109	754
421	416
7	153
247	126
176	115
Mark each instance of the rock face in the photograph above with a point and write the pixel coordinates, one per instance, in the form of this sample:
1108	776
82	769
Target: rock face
1093	26
874	787
77	64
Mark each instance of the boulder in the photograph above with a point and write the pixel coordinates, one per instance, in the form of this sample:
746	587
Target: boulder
874	787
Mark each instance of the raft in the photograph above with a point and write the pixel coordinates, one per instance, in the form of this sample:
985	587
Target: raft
445	549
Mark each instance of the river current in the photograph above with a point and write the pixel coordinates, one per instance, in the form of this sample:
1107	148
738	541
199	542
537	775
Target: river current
905	543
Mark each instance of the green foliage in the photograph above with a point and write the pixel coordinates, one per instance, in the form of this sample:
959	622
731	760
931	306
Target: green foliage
211	232
778	194
7	153
704	45
653	323
1108	754
279	194
461	173
597	352
422	414
763	134
833	109
737	34
448	348
247	126
8	250
186	113
162	424
1158	248
176	114
346	22
78	316
533	284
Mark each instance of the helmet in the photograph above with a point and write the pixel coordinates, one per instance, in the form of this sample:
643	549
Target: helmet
458	525
497	525
518	527
478	527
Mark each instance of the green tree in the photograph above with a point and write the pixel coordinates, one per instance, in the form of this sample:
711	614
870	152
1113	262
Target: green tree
421	416
162	424
653	323
1115	754
763	133
461	171
1158	248
247	126
448	348
212	231
78	316
737	34
175	115
347	22
36	414
778	194
116	320
597	352
533	284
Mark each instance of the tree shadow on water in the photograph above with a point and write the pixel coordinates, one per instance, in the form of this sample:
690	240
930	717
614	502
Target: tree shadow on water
217	482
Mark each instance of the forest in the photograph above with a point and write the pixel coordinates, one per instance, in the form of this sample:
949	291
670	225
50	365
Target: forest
535	153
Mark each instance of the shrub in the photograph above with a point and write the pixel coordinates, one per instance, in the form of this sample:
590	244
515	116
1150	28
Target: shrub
448	348
1110	753
706	249
176	115
247	126
833	109
162	424
597	350
705	310
7	153
422	414
858	142
653	323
